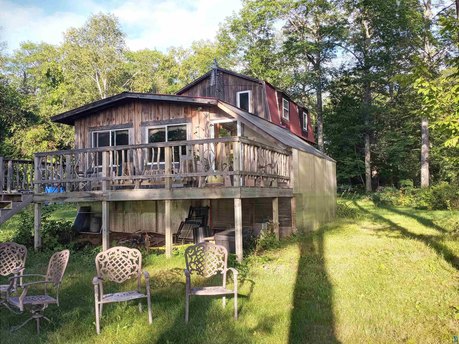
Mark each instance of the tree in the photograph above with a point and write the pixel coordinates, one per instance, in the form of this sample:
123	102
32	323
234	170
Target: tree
312	30
93	55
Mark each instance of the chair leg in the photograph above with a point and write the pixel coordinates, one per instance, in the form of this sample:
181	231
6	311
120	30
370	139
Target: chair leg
38	325
187	307
140	307
150	317
101	309
224	301
15	328
97	317
235	306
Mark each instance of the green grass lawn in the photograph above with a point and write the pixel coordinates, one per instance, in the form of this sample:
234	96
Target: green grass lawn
389	275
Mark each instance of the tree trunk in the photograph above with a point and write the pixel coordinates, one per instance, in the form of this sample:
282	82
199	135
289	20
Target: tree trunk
425	142
320	118
366	104
428	53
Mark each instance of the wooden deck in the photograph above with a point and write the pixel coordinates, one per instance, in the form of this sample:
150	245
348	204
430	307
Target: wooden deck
232	167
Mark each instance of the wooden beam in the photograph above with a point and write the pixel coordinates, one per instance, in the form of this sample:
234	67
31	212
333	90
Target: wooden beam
238	228
168	166
276	216
105	225
293	213
168	227
37	226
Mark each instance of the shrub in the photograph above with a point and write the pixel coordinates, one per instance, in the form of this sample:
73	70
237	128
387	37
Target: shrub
437	197
54	233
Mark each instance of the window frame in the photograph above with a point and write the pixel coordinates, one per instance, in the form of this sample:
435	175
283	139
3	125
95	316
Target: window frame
238	100
305	120
165	126
110	131
285	100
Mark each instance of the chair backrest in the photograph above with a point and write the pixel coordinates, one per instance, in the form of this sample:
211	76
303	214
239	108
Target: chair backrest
12	257
206	259
118	264
56	266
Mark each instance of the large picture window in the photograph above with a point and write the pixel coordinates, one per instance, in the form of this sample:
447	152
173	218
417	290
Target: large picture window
167	133
244	100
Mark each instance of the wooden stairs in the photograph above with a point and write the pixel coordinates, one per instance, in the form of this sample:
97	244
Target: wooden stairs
12	203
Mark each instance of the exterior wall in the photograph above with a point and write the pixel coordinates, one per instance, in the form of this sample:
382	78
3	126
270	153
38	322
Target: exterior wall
254	210
230	85
295	123
138	115
314	190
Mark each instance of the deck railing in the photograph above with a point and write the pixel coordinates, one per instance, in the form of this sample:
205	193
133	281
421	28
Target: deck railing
16	175
222	162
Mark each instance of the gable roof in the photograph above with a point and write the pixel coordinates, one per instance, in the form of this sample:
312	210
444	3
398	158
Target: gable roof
70	116
227	71
279	133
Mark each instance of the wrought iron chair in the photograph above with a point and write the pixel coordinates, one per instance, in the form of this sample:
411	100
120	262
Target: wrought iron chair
38	303
119	264
12	262
207	260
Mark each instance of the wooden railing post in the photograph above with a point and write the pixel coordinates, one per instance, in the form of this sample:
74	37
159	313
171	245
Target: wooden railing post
275	203
237	163
168	166
2	174
168	227
238	237
105	170
36	174
68	172
9	176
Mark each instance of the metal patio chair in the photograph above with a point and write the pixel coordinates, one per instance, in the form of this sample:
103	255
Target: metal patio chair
12	262
38	303
207	260
119	264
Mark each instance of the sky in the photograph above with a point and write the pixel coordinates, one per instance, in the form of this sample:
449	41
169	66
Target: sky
152	24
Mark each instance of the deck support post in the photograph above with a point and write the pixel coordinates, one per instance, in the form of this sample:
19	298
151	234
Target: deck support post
293	213
276	216
168	229
105	225
37	227
238	228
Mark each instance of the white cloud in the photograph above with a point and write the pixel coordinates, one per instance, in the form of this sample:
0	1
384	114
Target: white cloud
148	24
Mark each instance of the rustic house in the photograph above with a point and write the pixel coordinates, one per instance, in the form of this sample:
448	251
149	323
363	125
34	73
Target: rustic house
227	141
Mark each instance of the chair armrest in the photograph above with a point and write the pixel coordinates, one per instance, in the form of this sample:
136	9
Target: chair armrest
96	280
26	285
18	270
26	275
234	271
146	275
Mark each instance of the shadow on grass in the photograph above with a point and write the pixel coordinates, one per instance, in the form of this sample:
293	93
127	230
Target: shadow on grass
428	240
422	220
312	318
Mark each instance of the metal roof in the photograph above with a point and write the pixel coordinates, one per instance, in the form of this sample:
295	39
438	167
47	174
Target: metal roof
279	133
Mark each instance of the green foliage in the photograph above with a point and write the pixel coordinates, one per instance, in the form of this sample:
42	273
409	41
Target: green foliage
437	197
344	210
55	233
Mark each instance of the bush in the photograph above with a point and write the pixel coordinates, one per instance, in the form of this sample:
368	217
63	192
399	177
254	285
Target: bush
54	233
438	197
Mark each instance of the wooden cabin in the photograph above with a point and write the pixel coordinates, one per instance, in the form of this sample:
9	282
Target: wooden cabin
226	142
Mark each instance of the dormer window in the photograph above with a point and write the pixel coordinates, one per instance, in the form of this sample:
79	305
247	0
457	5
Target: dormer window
305	121
244	100
285	109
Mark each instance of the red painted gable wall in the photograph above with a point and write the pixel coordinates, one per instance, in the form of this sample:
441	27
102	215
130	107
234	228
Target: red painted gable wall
295	122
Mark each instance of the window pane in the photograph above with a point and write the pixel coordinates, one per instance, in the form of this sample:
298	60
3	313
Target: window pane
176	133
121	137
244	101
103	139
157	135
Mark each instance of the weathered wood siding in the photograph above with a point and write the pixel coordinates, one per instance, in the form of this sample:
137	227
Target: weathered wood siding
314	189
254	210
137	115
230	85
